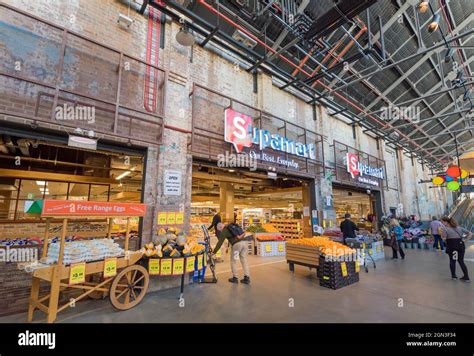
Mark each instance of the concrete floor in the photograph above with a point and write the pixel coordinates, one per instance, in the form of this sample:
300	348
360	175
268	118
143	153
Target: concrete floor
422	281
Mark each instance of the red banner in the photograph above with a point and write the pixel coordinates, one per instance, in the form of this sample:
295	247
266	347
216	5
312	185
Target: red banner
91	208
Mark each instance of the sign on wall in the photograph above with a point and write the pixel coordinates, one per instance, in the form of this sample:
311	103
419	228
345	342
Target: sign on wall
172	183
239	131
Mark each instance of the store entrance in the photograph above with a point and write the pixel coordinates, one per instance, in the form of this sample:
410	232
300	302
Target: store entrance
254	200
359	203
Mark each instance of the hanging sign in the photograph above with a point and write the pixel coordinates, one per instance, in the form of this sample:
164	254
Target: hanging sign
91	208
190	263
356	168
172	183
171	219
110	267
154	266
199	264
166	267
179	218
178	266
162	218
77	273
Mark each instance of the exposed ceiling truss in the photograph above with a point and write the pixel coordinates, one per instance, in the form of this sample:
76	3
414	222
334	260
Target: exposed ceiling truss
383	56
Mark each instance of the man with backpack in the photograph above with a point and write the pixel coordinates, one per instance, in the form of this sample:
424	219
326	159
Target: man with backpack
236	237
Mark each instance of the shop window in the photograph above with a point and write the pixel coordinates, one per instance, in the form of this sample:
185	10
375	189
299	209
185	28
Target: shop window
78	191
32	189
56	190
99	192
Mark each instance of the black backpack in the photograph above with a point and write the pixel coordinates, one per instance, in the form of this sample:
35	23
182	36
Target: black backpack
235	230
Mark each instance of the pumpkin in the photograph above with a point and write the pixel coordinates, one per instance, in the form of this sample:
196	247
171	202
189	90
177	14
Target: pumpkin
167	250
161	231
175	253
181	240
161	240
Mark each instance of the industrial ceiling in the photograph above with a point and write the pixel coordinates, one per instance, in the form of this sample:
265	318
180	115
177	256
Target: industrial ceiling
366	60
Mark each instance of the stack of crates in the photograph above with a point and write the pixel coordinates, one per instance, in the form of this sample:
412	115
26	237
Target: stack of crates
337	274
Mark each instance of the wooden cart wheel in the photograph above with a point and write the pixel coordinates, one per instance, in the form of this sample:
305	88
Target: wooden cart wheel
129	287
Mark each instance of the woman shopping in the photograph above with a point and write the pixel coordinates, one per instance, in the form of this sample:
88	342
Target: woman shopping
455	237
397	237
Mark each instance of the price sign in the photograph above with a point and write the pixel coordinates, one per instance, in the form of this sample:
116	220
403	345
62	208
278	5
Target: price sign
298	227
219	253
268	247
110	267
161	218
344	269
190	264
77	273
199	258
178	266
154	266
250	221
179	218
281	247
369	251
204	259
357	266
377	248
171	218
166	267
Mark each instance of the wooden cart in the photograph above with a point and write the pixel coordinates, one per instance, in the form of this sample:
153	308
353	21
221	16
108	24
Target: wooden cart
125	289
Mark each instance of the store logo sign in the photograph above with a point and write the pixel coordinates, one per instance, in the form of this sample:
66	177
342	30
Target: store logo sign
355	168
239	131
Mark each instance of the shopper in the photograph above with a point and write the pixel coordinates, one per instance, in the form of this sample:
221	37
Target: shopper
397	237
239	251
216	219
435	227
348	228
455	246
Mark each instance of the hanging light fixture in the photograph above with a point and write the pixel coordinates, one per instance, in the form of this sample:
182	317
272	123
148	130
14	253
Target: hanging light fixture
423	6
185	37
434	25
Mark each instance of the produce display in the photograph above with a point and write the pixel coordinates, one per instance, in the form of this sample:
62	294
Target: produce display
269	237
255	229
83	251
289	228
172	243
270	228
325	245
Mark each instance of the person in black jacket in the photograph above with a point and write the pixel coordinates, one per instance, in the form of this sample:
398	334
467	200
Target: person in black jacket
216	219
348	228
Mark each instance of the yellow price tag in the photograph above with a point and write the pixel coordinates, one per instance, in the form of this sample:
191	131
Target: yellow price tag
77	273
154	266
199	258
161	218
219	253
281	247
250	221
369	251
190	264
110	267
166	267
204	259
171	218
179	218
298	227
344	269
268	247
357	266
178	266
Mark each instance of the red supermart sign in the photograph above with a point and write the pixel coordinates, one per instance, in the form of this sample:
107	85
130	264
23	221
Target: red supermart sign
239	131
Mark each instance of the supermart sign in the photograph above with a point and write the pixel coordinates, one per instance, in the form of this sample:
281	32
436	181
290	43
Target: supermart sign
356	168
239	131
